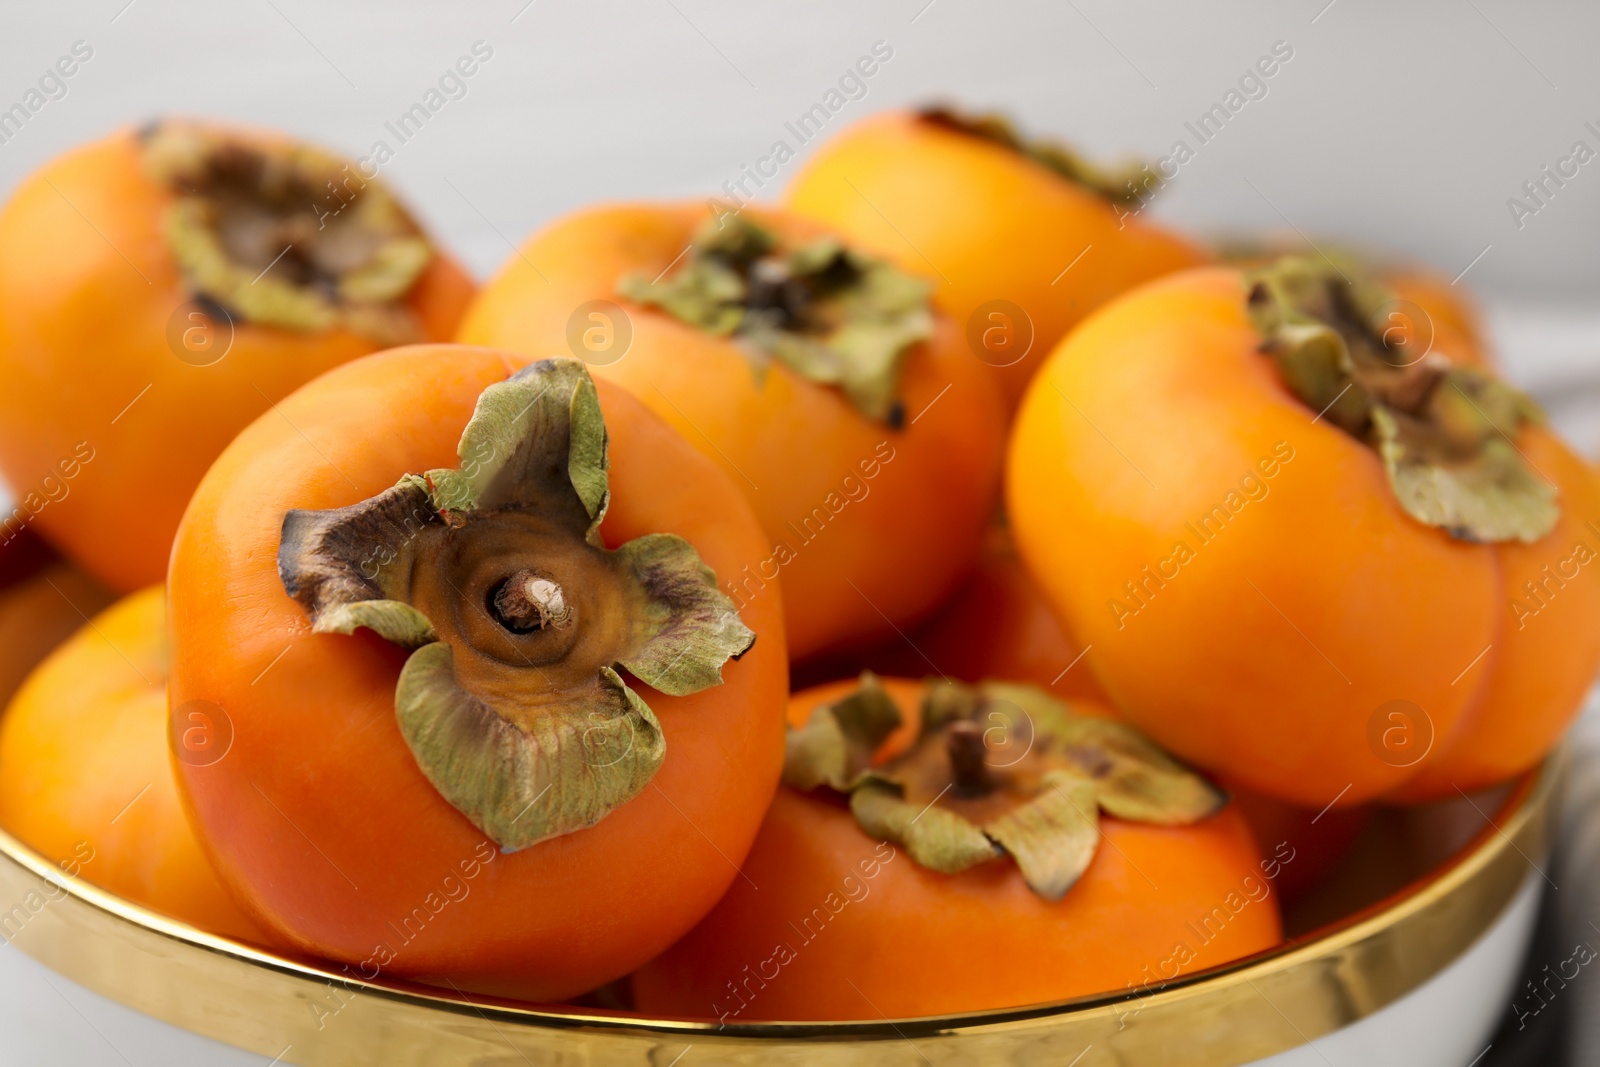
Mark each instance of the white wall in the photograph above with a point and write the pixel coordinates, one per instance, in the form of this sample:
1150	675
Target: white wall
1406	123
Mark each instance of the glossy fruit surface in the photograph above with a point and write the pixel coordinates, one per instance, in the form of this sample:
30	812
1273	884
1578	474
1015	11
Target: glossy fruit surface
870	522
1530	684
1257	599
829	923
319	816
85	777
1019	254
122	387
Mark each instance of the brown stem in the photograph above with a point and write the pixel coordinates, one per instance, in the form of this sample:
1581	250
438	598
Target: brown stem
774	289
967	749
527	601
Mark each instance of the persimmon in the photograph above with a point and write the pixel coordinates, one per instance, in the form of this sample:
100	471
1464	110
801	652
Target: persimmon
437	768
196	275
995	625
1022	238
936	849
43	601
85	777
1308	844
865	438
1308	556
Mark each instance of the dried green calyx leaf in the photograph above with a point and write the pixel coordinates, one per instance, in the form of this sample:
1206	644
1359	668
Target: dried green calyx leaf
837	743
828	313
995	770
1122	185
1446	433
495	574
286	235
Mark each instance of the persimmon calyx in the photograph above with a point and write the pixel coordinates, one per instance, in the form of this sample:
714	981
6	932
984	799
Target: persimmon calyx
1119	185
286	235
828	313
995	770
519	617
1446	433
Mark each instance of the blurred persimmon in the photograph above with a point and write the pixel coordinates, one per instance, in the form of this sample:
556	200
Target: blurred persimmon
917	862
162	287
865	437
85	777
43	601
1307	843
1021	238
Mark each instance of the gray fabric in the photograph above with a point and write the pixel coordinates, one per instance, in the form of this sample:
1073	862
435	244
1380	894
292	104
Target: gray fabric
1553	1019
1575	902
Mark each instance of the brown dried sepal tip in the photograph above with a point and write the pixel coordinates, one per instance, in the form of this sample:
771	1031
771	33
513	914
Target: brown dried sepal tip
520	618
828	313
283	234
995	770
1127	184
1446	433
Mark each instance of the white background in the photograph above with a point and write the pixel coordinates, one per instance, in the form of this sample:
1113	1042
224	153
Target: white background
1409	124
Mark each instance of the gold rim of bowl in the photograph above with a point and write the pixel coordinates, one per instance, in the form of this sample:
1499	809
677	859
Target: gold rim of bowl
311	1013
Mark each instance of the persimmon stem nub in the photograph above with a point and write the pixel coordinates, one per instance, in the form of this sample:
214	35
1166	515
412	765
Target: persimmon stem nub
1415	384
527	601
967	749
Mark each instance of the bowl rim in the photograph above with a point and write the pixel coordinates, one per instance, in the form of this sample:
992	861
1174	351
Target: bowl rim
248	996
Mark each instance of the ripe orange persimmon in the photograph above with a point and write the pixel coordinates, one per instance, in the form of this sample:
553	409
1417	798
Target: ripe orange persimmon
43	601
85	777
997	624
831	921
864	436
196	275
500	809
1021	238
1318	564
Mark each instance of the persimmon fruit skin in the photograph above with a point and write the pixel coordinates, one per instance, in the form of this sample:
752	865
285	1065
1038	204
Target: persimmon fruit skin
1269	654
996	624
319	818
85	353
1308	844
1532	681
908	942
85	776
879	523
43	601
983	223
1453	319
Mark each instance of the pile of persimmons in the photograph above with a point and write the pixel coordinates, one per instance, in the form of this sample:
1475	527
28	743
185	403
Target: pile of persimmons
944	589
